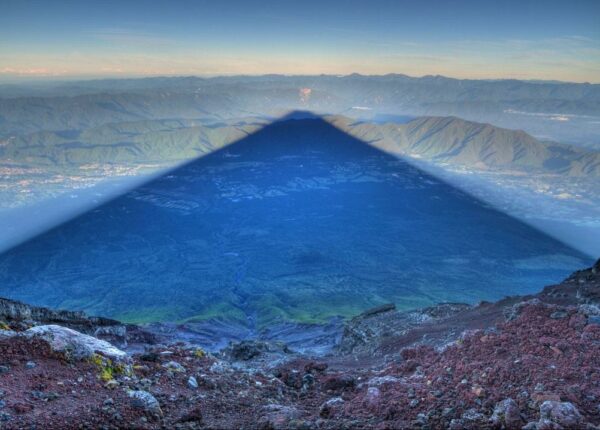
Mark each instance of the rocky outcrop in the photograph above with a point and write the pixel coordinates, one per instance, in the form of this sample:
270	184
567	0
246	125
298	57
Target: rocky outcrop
11	310
21	316
582	287
507	415
16	311
76	345
383	331
145	401
365	333
556	415
250	349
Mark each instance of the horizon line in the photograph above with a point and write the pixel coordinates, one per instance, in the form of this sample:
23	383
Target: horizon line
50	78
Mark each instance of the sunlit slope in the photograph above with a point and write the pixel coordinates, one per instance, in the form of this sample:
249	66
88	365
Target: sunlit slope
162	141
456	141
441	139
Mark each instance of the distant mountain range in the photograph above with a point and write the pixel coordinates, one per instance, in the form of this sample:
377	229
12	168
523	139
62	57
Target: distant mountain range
439	139
165	141
482	146
566	112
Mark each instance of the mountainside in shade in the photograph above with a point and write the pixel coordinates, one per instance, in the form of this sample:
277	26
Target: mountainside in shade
299	222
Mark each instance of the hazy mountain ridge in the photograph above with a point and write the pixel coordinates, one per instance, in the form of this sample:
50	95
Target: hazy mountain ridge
561	111
465	89
456	141
165	141
440	139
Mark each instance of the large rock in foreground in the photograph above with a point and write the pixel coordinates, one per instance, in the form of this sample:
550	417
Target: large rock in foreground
21	316
77	345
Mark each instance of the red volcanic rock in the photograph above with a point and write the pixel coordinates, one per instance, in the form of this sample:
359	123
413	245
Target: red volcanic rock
22	408
339	382
195	415
591	333
577	321
331	407
315	366
540	366
479	372
539	398
409	366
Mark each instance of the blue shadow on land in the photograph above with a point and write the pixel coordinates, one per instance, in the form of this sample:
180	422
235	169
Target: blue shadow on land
298	222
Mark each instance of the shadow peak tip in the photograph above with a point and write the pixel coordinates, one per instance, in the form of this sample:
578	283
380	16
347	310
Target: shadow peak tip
299	114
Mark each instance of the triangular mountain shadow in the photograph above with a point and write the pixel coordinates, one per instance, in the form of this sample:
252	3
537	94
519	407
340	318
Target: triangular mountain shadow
296	222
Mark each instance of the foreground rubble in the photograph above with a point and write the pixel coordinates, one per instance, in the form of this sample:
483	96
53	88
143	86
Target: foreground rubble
524	362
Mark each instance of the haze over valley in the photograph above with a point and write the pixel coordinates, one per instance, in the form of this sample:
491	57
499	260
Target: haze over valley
58	139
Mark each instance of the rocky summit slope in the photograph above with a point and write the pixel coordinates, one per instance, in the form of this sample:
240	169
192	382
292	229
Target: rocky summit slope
525	362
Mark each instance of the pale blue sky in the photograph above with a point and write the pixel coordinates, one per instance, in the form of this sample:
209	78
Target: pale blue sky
467	39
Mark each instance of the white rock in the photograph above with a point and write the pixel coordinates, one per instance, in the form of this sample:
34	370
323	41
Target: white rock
192	382
5	334
335	401
79	345
174	366
218	367
373	396
472	415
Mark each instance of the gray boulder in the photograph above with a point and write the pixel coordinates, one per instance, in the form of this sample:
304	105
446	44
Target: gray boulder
192	382
278	417
5	334
141	399
331	407
564	414
507	415
174	367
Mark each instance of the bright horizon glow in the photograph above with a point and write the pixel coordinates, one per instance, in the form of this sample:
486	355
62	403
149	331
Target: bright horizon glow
550	40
